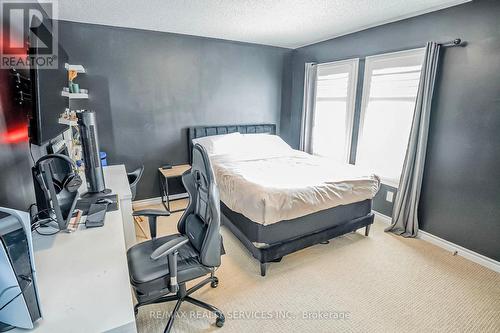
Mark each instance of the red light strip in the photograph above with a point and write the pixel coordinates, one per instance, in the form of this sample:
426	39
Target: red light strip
15	135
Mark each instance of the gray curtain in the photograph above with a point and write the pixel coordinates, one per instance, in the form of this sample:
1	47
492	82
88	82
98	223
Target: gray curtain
310	78
405	211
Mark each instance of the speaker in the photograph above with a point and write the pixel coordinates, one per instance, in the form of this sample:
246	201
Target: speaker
90	143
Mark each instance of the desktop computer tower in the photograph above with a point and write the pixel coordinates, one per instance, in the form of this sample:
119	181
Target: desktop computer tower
19	301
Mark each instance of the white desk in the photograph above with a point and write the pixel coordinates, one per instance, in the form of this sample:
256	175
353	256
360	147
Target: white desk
116	180
83	277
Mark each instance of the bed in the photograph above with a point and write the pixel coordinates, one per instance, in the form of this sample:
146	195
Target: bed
277	200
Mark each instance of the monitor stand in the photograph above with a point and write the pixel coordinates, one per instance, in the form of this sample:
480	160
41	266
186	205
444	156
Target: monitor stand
92	195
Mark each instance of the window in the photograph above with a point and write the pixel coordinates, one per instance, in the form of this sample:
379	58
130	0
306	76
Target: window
389	93
334	109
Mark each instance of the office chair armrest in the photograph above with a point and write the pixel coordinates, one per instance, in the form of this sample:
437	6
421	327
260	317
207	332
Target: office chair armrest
169	247
152	215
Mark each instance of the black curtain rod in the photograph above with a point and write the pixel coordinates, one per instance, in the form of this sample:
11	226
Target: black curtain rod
455	42
451	43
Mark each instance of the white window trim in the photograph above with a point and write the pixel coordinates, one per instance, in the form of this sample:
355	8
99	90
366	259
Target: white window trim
369	62
351	102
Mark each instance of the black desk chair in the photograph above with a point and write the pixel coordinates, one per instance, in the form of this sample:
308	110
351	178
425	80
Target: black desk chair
133	179
163	265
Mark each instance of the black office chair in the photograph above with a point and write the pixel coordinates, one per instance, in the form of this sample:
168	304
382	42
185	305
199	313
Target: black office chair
163	265
133	179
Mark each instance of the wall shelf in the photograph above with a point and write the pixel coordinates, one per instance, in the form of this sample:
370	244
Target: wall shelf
76	68
74	95
64	121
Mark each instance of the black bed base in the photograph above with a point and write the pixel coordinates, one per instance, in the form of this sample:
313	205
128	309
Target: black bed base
275	252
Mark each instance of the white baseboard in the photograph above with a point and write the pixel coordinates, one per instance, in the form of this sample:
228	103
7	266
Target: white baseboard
383	218
178	196
449	246
149	201
461	251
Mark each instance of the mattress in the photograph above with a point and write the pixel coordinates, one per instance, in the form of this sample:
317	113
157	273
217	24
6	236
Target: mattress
268	186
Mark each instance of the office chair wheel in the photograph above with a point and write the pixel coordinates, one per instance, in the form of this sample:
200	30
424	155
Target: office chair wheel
219	322
214	283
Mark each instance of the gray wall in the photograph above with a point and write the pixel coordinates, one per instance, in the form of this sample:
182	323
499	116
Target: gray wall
148	87
460	199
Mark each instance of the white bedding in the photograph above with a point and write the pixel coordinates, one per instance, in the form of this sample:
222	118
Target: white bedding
270	183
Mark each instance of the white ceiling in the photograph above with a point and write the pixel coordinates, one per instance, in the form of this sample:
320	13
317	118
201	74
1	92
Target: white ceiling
285	23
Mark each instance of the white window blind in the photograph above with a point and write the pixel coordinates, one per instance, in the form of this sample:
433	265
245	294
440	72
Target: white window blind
334	109
389	93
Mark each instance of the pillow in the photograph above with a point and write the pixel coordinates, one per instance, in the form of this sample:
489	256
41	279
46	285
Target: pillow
264	142
220	144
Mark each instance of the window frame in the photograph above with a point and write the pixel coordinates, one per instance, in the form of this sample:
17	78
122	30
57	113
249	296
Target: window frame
353	65
370	65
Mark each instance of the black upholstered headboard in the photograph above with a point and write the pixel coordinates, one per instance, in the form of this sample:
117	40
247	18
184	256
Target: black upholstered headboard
201	131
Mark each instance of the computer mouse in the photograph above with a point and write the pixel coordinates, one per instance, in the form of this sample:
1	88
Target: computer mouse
104	201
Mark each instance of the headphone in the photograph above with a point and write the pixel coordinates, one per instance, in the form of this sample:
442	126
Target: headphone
71	182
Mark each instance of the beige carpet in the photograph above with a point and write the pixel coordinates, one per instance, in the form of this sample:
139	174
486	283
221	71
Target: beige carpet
380	283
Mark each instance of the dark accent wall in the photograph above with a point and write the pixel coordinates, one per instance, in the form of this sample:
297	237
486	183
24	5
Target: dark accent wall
460	199
148	87
380	203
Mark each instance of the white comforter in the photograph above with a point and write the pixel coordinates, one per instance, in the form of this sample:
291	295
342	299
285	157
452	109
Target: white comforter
268	187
